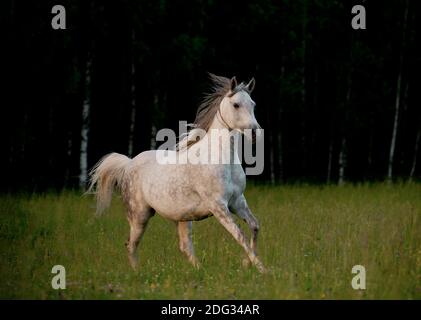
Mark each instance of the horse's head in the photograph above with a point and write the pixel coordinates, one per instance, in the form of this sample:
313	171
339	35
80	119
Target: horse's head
237	107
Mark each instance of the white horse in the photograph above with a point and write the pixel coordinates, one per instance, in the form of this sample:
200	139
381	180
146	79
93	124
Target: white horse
187	192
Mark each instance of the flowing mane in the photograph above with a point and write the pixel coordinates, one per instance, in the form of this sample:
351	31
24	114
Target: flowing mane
221	87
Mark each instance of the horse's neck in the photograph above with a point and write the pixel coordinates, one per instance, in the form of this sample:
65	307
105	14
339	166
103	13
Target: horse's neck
220	136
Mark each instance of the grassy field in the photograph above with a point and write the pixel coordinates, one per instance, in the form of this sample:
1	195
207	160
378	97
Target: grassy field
310	239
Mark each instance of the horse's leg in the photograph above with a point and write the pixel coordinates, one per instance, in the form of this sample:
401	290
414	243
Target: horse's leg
221	212
138	221
243	211
185	241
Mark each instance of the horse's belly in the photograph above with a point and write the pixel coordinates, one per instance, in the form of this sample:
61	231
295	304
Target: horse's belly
181	209
175	201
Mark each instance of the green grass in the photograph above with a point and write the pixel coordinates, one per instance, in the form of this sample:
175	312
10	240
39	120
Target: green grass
310	239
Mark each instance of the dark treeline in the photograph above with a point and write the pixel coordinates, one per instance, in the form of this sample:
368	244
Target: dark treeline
337	104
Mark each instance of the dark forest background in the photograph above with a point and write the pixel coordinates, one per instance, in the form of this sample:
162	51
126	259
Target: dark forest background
337	104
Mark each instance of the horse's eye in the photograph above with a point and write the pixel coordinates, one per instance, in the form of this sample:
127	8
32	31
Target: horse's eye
236	105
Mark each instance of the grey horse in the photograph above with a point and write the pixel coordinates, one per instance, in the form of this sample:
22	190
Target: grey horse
186	192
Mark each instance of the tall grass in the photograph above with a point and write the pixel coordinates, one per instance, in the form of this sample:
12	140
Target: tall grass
310	239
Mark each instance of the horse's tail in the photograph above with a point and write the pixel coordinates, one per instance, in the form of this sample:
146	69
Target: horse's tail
107	173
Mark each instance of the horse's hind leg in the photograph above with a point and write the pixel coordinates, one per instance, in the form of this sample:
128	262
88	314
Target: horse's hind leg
138	221
185	241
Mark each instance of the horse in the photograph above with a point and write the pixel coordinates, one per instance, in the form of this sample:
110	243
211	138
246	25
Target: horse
186	192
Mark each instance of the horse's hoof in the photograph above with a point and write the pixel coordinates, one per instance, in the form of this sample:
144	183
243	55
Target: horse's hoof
133	263
261	269
196	264
246	262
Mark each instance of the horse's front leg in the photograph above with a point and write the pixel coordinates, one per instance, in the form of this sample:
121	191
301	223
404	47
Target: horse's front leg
221	212
241	208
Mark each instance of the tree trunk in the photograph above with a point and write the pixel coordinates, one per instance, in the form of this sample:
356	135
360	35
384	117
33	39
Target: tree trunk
414	161
280	176
397	101
329	163
342	162
272	159
395	129
303	92
133	101
343	150
342	153
153	126
83	163
69	156
280	160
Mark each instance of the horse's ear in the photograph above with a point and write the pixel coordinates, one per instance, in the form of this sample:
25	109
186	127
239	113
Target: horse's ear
233	83
250	85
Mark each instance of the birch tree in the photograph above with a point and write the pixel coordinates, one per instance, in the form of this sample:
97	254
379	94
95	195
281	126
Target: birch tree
84	133
397	100
329	163
132	99
342	163
414	160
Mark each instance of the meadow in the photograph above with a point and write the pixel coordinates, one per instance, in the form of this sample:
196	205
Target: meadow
311	237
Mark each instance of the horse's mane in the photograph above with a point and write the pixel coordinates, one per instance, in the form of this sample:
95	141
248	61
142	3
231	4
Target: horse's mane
221	87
